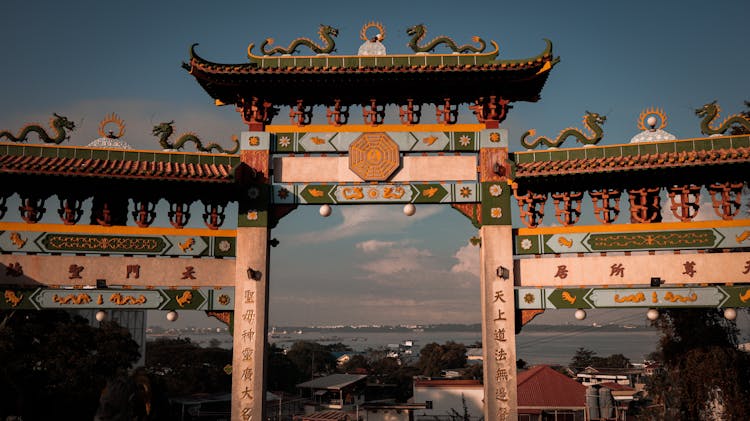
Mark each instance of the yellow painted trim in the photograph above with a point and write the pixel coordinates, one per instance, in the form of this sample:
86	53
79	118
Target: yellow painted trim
380	128
663	226
118	230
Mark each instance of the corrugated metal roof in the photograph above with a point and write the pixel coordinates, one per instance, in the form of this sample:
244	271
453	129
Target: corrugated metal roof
541	386
326	415
334	381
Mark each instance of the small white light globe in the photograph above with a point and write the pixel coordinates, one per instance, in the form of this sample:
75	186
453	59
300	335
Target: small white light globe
409	209
101	315
172	315
730	313
580	314
651	121
325	210
652	314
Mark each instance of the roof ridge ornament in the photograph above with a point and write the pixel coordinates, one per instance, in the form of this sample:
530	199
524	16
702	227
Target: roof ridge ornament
164	130
652	122
710	112
591	121
112	118
325	32
417	32
57	122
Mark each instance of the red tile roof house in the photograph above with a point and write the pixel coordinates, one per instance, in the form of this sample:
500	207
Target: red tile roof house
545	394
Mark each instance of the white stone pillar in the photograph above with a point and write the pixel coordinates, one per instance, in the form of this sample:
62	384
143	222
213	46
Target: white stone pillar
498	323
250	324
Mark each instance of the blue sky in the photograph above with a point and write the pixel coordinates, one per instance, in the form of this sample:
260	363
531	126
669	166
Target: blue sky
85	59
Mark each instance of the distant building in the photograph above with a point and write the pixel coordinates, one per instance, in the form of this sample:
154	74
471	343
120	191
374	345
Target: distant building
337	391
444	396
545	394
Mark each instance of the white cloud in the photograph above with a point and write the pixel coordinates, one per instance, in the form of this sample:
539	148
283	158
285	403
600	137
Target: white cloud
372	246
399	261
468	260
362	220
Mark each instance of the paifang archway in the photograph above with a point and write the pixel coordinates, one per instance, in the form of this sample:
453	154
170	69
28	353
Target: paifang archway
468	166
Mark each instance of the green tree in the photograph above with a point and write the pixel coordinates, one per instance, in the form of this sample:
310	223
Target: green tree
55	362
704	373
583	358
283	374
433	358
187	368
311	358
356	362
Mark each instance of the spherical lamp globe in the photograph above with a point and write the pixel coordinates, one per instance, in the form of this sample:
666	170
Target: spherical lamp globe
580	314
652	314
101	315
730	313
325	210
172	315
409	209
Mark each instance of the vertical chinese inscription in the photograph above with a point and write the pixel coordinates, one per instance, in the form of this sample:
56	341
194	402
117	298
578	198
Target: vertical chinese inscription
498	315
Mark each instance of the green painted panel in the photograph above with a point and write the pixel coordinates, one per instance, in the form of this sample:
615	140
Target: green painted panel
569	298
741	142
665	147
722	143
594	153
430	193
315	193
183	299
495	203
225	246
651	240
102	243
523	158
17	299
737	296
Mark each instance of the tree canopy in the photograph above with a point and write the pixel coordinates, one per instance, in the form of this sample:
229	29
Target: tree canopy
704	375
55	362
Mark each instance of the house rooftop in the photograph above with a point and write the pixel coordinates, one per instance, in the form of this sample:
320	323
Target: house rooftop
333	382
541	386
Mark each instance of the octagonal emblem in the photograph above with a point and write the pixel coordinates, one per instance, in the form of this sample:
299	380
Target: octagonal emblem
374	156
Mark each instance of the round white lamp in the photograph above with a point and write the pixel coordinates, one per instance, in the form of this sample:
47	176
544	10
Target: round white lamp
652	314
730	313
325	210
580	314
409	209
101	315
172	315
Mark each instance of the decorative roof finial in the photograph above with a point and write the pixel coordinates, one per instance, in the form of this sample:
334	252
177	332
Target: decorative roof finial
648	120
372	45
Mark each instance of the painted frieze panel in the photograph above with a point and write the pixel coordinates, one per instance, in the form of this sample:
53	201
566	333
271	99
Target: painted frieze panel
669	239
326	141
214	299
671	268
697	296
466	192
152	245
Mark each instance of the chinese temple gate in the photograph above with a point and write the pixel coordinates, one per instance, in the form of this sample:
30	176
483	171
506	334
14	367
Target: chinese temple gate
105	227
